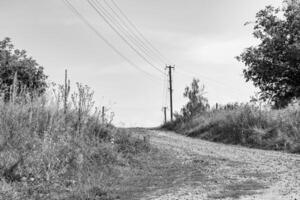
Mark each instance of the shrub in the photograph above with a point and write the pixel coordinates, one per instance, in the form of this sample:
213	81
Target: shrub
130	145
247	125
17	68
52	153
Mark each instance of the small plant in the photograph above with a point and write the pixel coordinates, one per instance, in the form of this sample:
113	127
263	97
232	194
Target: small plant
45	150
246	124
252	124
196	100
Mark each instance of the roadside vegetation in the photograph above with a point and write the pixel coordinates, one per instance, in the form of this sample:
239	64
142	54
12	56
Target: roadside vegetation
54	143
273	66
252	124
47	153
244	124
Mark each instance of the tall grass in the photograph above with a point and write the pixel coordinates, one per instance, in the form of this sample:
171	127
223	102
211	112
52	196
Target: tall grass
49	153
246	125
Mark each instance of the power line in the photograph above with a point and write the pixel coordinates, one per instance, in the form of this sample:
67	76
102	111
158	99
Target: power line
100	13
149	43
134	32
115	29
139	33
136	29
122	27
77	13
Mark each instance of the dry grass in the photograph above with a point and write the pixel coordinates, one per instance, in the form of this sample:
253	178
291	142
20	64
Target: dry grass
246	125
46	153
236	190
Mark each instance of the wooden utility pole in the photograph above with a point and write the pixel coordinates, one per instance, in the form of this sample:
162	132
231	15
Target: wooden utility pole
171	90
103	115
165	114
66	91
13	89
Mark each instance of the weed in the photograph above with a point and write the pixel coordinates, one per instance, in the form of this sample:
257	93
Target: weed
247	125
52	151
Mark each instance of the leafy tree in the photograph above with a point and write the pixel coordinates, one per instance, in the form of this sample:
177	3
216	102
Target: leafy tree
196	100
274	64
16	65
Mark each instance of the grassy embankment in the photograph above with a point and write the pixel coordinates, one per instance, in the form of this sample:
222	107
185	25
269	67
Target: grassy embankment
49	153
245	125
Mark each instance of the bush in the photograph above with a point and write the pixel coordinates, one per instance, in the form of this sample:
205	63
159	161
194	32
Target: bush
130	145
17	68
45	152
247	125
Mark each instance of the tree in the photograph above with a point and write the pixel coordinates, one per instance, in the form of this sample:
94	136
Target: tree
274	64
196	101
16	65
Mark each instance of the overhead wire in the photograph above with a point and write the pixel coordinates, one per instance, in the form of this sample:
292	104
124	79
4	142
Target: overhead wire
132	32
135	33
141	40
133	26
139	32
121	25
107	17
100	13
87	23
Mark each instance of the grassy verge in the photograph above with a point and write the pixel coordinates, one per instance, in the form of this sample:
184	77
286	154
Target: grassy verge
47	152
245	125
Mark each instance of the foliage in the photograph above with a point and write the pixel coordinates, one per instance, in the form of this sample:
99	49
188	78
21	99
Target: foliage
248	125
274	64
44	154
196	100
15	62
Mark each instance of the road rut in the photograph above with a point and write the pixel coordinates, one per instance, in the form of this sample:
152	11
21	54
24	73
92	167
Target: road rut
228	172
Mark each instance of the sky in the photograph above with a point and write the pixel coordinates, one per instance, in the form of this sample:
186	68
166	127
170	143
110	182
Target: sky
200	37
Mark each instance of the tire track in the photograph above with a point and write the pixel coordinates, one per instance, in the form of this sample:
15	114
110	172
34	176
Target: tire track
233	172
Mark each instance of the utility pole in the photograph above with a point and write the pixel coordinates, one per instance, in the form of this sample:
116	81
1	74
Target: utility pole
171	90
66	91
165	114
103	115
67	88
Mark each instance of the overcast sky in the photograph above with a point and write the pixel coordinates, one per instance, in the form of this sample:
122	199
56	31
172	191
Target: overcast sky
200	37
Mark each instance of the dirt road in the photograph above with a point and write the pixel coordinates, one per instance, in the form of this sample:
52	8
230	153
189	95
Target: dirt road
217	171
